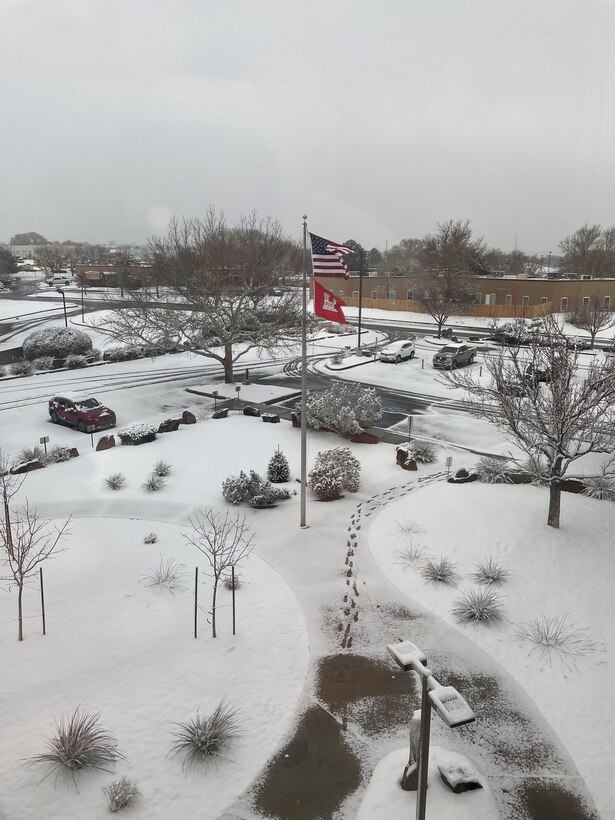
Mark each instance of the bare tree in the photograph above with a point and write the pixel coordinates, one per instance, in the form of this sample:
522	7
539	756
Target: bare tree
592	316
10	484
225	540
29	540
590	251
557	422
219	281
50	256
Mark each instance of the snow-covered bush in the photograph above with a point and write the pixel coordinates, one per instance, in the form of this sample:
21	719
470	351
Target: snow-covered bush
94	355
167	574
278	470
235	488
115	481
478	606
121	793
325	482
557	635
58	342
35	453
490	571
43	363
340	460
57	454
153	483
75	361
538	470
228	582
161	468
123	354
442	571
252	490
21	368
151	538
493	471
423	452
344	408
139	432
206	739
600	487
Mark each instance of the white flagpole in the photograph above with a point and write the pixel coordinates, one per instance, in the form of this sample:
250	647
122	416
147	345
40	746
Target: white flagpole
303	522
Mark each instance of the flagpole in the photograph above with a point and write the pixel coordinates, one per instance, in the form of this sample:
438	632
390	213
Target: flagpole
303	524
361	258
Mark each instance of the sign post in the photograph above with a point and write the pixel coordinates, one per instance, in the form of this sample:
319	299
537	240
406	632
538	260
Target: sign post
43	440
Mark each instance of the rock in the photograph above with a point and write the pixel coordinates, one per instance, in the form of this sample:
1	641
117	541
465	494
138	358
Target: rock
466	480
572	485
462	473
364	438
460	778
296	419
169	425
409	464
251	411
271	418
188	417
402	454
105	443
74	452
26	467
220	414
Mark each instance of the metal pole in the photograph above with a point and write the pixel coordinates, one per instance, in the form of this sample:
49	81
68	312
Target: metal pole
361	258
421	796
233	586
42	600
196	594
303	505
82	307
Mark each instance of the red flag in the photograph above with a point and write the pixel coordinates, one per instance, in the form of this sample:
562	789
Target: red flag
327	305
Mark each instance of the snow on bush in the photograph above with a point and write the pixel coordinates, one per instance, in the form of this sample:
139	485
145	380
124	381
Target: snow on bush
153	483
206	739
538	471
235	488
252	490
56	342
121	793
278	470
345	408
441	571
43	363
600	487
478	606
57	454
490	571
139	432
123	354
21	368
423	452
493	471
75	361
344	469
115	481
161	468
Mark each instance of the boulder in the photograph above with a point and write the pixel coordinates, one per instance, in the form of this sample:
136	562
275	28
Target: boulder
296	419
409	464
364	438
271	418
464	479
462	473
74	452
188	417
169	425
251	411
105	443
27	467
402	454
220	414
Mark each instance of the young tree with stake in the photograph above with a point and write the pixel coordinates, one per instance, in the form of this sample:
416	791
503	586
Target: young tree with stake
225	540
558	422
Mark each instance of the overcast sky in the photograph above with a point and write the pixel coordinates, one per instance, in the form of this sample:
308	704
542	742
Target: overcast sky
379	118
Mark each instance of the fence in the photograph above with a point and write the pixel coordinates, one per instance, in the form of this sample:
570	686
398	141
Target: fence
488	311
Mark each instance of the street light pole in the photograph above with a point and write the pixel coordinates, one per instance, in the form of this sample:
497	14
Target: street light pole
361	262
64	306
82	307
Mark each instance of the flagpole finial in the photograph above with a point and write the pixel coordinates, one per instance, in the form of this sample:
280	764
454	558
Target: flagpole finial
305	216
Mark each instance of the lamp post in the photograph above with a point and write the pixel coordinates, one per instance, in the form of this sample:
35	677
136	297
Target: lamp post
82	307
446	700
64	305
549	265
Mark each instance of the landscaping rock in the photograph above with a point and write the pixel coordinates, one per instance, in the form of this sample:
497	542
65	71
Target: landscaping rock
169	425
296	419
188	417
462	473
26	467
409	464
251	411
271	418
402	454
464	479
74	452
105	443
364	438
220	414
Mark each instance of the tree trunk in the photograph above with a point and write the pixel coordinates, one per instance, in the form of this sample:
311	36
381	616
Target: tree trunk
20	613
228	364
555	494
593	338
213	609
440	329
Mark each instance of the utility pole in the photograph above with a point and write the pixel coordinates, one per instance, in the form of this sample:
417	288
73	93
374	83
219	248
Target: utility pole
361	266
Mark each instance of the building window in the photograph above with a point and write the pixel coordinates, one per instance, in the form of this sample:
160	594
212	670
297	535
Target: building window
563	305
543	300
490	298
355	294
508	299
586	301
525	301
607	303
410	296
392	294
374	294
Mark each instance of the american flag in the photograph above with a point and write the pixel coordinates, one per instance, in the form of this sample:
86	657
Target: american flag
328	257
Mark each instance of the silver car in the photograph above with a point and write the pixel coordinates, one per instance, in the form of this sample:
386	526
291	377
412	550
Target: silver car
397	351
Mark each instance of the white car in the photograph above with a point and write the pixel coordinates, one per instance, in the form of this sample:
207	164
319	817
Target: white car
397	351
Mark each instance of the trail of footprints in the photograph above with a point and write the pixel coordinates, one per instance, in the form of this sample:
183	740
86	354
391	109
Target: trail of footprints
350	609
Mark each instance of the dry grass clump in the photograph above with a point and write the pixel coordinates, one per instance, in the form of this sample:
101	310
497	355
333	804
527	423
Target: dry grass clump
204	740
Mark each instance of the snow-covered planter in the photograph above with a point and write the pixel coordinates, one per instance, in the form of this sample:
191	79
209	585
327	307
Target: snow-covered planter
346	409
56	342
138	432
75	361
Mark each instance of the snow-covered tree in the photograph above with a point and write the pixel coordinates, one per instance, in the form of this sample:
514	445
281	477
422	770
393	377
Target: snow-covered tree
58	342
278	470
345	408
325	482
252	489
223	276
138	432
592	316
335	470
235	488
557	422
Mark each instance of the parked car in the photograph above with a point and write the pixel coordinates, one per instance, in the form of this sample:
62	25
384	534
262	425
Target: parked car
535	374
454	355
518	389
83	413
397	351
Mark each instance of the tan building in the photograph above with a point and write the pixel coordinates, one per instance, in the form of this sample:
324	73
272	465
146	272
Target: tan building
495	296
